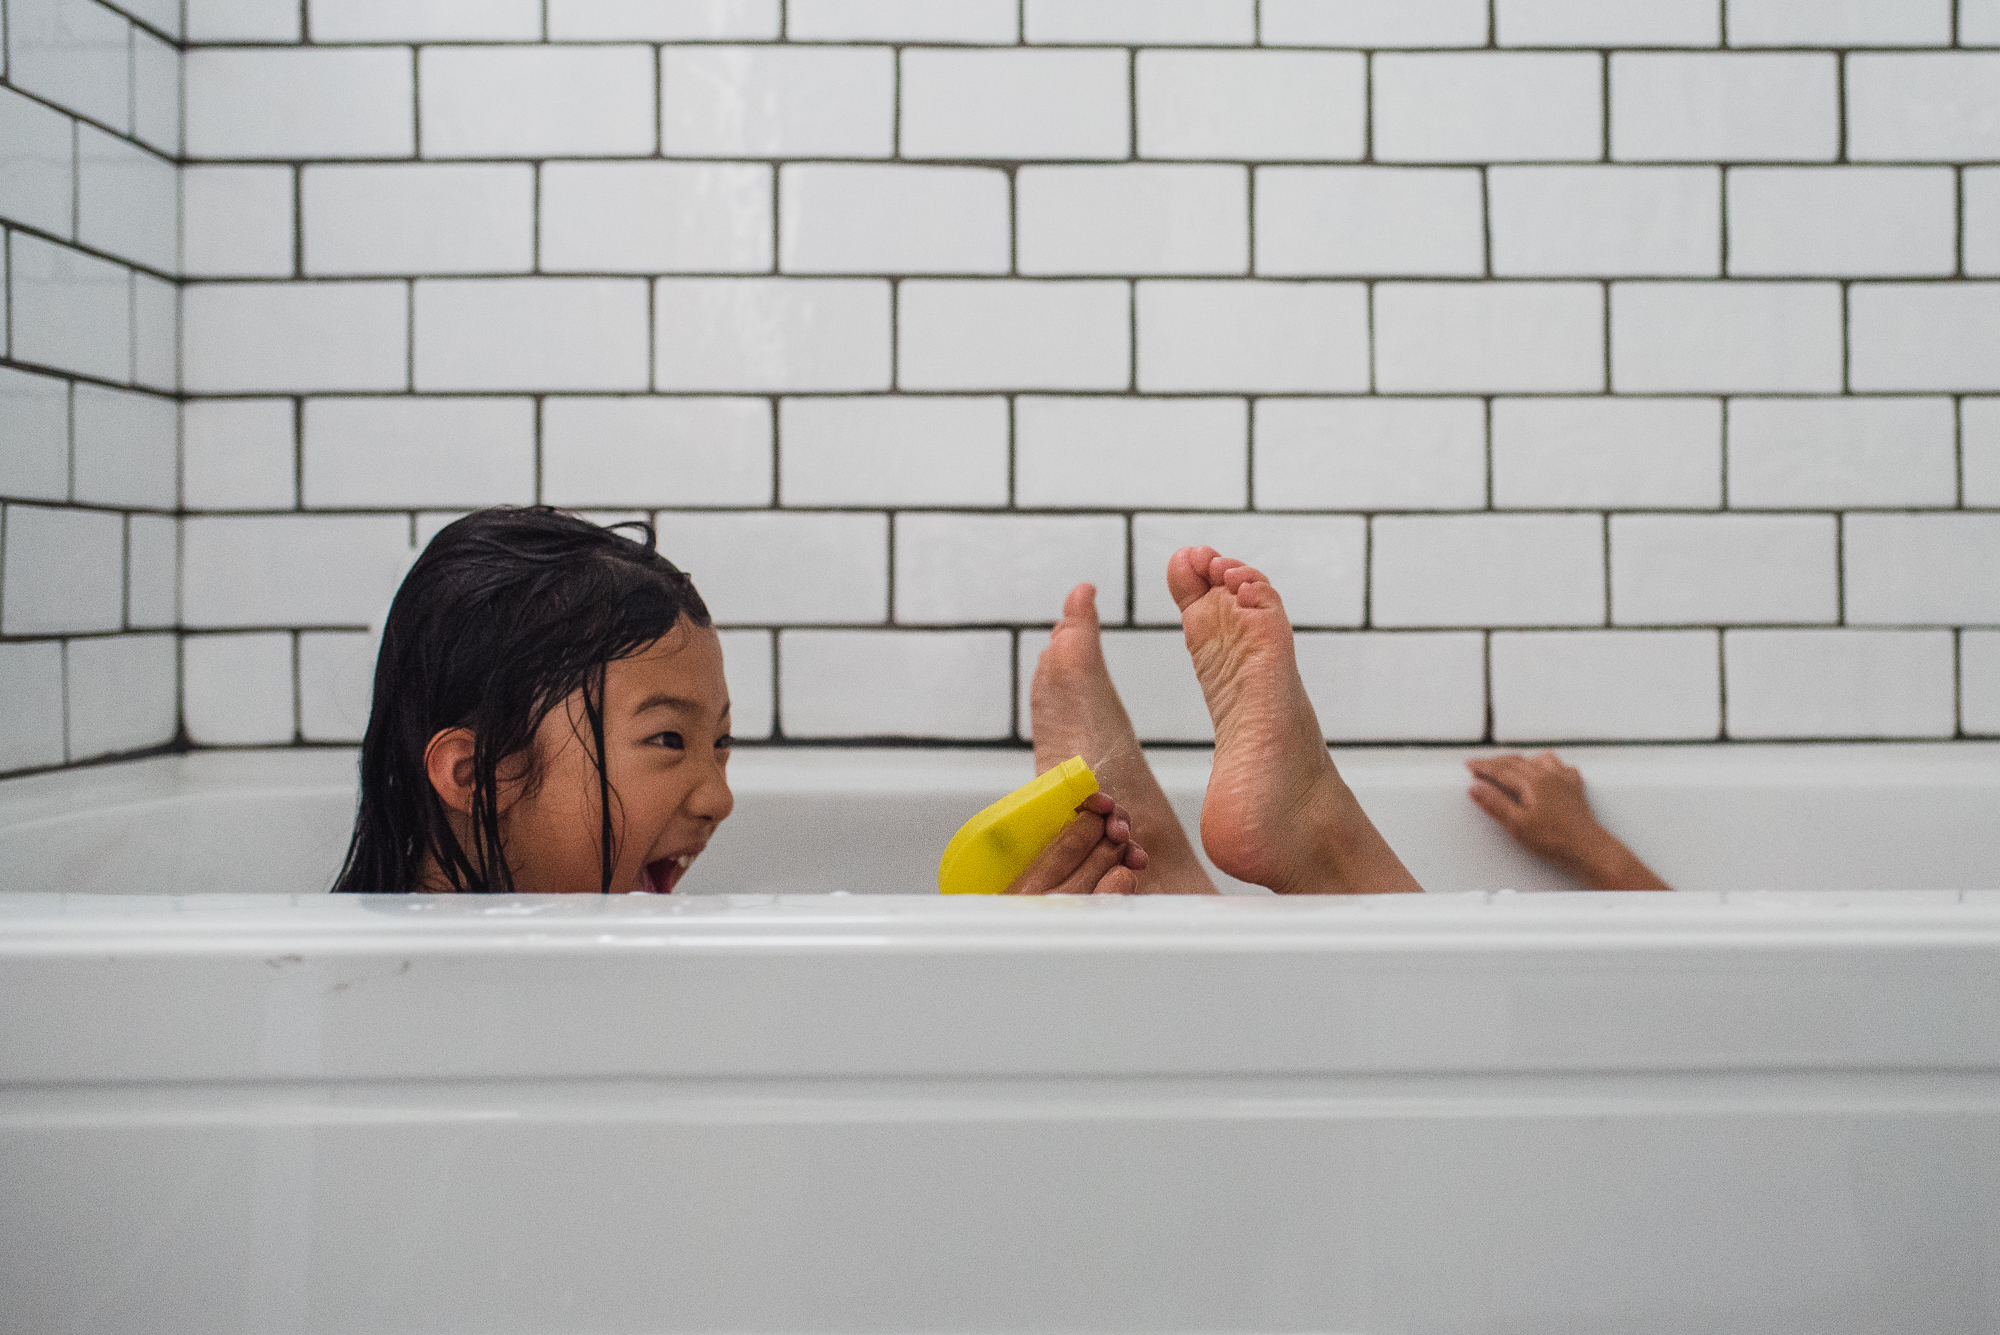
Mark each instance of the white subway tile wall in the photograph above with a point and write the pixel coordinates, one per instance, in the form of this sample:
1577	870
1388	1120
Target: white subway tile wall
1580	370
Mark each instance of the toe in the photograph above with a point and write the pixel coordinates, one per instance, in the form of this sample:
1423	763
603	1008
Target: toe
1187	575
1081	605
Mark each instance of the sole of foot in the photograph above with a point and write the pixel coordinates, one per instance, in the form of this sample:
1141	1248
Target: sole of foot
1277	812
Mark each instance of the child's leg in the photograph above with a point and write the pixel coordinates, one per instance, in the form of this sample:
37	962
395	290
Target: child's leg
1277	811
1077	712
1540	802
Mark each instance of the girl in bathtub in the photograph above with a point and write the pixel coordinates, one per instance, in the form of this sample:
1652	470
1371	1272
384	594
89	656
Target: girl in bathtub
550	716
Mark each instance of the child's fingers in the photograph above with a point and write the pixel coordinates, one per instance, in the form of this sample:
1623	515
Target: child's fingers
1135	857
1100	862
1507	773
1069	850
1117	820
1495	802
1117	881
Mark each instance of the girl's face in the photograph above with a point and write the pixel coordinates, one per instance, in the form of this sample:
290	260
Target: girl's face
666	753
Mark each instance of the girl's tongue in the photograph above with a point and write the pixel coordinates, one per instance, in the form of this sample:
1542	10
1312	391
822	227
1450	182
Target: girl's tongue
661	875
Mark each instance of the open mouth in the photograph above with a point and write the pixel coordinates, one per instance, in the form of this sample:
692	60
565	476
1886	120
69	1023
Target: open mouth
662	874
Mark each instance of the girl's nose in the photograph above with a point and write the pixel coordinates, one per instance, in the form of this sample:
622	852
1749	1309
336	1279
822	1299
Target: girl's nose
711	799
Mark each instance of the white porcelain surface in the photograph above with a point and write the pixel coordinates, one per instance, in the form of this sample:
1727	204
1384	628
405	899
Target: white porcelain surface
1783	569
1802	23
1924	336
126	201
121	694
652	217
761	568
123	447
1873	222
1570	1114
1729	107
988	568
1370	454
364	453
334	569
34	416
265	336
1206	21
1838	683
1495	570
528	333
1459	338
1375	23
31	704
742	335
418	218
1913	569
1613	221
903	21
37	164
65	571
1144	219
535	101
1500	107
425	20
626	450
272	102
1252	105
1886	452
1118	452
681	20
923	684
1607	23
1344	221
1596	684
70	311
1015	104
929	450
236	222
1273	338
1651	453
775	101
1725	338
1709	818
1930	107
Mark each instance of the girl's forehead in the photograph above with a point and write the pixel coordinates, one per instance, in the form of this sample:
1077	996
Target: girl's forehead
686	662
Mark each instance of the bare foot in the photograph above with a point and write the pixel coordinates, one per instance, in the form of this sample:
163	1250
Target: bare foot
1277	812
1540	802
1077	712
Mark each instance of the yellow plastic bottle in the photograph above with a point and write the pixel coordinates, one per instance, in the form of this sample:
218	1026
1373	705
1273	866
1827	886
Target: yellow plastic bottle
996	846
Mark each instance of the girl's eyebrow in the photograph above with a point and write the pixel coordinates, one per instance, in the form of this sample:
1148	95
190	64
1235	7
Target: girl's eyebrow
679	702
667	702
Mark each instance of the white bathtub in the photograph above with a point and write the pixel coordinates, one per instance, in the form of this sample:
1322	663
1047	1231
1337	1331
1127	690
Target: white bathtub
1694	1114
1707	817
1720	1112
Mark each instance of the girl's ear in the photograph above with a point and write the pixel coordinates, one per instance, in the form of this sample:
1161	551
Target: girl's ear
448	764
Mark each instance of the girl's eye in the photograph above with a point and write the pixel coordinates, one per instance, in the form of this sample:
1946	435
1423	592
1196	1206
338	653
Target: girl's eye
670	740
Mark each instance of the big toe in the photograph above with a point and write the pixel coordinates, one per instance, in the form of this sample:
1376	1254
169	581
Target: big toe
1080	607
1187	575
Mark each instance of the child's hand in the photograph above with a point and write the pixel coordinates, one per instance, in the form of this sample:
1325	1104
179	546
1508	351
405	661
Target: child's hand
1540	802
1095	855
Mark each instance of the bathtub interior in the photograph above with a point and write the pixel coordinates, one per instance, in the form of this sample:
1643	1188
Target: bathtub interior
874	821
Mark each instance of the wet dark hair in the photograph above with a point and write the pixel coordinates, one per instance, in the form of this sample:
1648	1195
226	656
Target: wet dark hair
506	614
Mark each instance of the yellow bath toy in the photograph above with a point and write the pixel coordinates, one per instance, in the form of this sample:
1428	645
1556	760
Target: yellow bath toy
996	846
